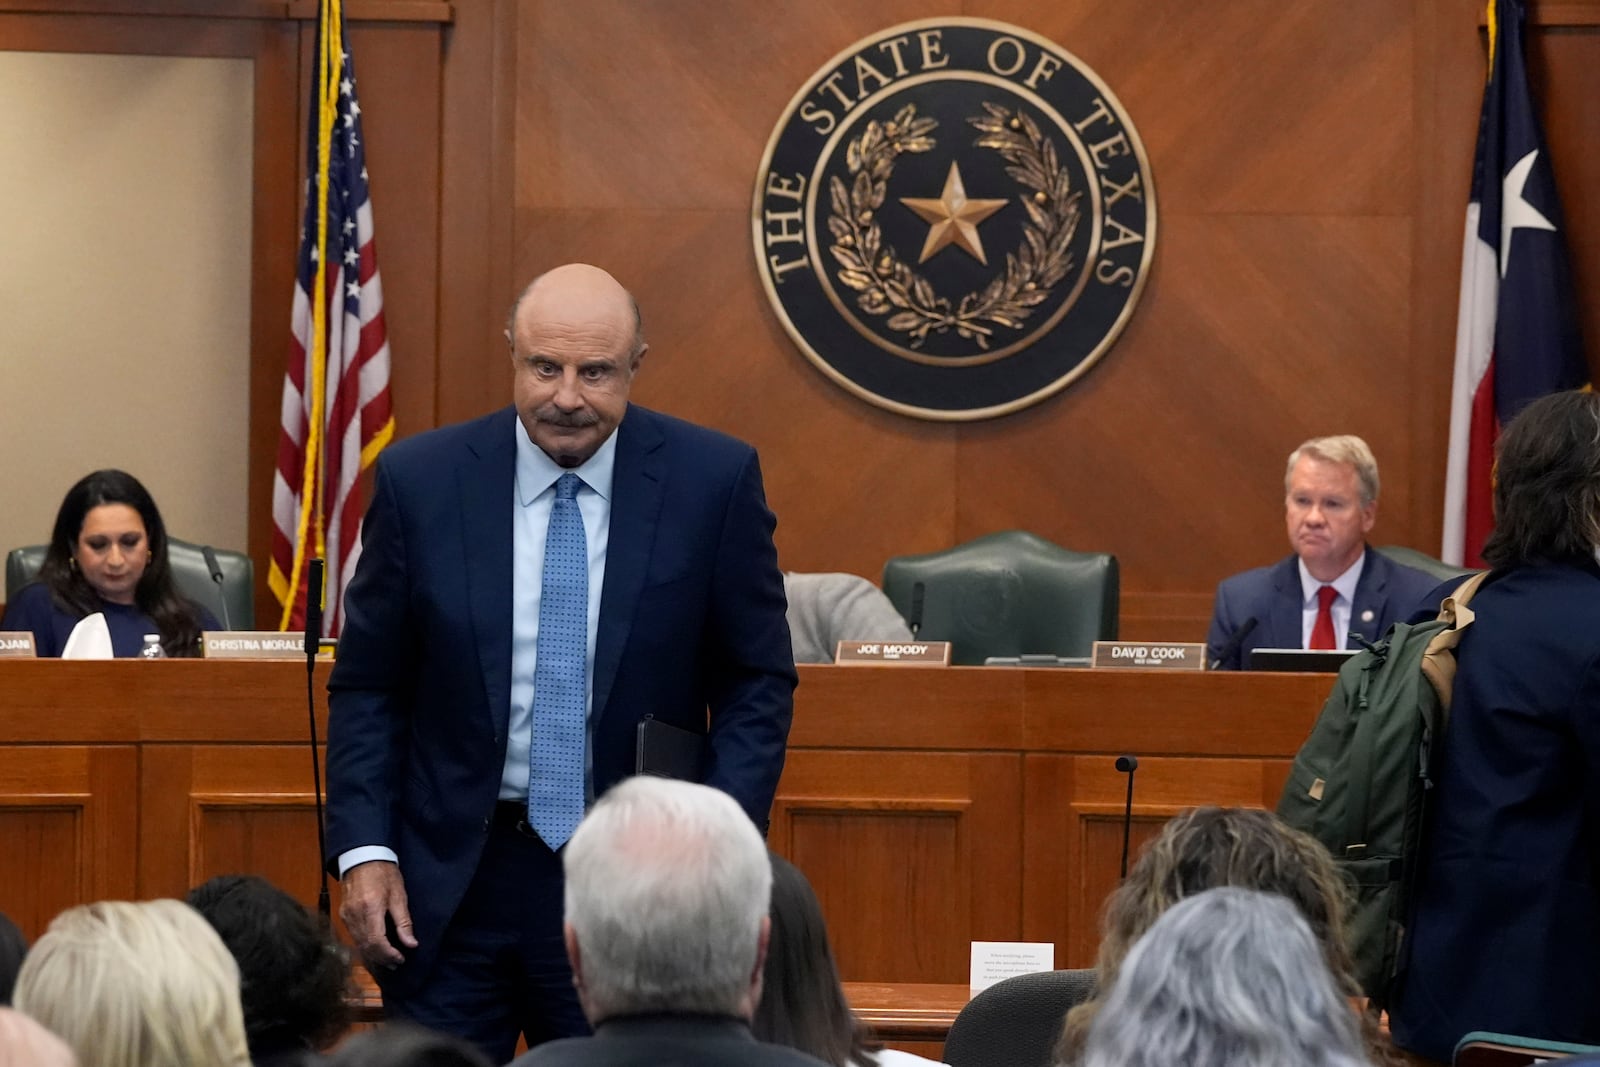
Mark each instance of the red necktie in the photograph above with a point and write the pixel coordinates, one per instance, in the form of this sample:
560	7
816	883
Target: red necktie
1322	632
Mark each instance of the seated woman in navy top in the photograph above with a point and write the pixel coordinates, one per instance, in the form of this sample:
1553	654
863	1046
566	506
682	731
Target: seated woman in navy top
108	554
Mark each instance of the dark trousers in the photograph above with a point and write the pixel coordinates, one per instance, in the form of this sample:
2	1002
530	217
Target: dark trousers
502	968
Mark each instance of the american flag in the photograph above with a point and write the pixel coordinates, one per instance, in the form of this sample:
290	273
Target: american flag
336	410
1517	330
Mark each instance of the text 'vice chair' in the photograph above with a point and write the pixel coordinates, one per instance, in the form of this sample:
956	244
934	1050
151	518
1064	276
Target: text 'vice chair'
1008	594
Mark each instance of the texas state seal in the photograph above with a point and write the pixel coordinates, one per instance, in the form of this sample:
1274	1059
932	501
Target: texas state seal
954	219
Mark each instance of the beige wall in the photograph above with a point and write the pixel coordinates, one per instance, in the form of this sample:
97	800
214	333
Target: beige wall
125	198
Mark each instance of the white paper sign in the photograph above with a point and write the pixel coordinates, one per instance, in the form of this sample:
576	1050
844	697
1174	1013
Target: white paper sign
995	961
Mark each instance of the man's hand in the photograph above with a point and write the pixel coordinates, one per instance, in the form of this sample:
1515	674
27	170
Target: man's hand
370	893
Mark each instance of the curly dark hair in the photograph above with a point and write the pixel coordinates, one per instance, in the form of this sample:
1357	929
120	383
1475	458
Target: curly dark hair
293	975
175	616
1204	848
1547	484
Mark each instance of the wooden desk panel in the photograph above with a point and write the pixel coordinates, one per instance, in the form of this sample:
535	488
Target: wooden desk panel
69	829
929	806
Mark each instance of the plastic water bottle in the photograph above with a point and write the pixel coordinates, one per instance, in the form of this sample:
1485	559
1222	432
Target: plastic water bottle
152	647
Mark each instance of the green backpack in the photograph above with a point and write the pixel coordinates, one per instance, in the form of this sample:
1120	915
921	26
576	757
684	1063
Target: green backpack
1360	782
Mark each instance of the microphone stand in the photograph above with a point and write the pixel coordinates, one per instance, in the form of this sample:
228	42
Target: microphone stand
1127	765
313	638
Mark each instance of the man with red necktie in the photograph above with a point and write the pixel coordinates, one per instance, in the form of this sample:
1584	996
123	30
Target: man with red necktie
1333	584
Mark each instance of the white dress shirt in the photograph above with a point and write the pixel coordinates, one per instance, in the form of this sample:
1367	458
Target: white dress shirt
1343	604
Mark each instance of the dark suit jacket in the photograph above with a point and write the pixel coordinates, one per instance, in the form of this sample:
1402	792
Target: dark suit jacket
691	619
1505	930
1273	596
666	1041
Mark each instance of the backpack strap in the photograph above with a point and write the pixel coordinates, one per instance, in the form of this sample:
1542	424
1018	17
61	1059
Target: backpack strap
1439	660
1362	743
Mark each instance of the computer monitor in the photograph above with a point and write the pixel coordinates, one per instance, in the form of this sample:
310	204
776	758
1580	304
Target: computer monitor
1313	660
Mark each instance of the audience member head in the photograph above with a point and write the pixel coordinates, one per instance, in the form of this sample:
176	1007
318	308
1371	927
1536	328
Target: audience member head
1226	978
24	1043
293	975
668	885
1330	502
802	1003
1204	848
136	985
576	342
13	947
404	1045
1547	484
109	544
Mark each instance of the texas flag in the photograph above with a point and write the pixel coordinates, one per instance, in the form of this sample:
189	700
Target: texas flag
1517	331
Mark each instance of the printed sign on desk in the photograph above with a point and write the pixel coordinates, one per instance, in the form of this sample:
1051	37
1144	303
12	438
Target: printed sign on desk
1160	655
255	644
16	644
910	653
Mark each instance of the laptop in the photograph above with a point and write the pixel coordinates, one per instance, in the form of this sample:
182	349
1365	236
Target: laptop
1318	660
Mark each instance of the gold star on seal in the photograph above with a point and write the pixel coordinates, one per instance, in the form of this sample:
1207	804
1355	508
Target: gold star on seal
954	218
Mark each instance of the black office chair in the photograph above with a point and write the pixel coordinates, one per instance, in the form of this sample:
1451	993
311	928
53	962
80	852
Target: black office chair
189	573
1009	594
1015	1023
1411	557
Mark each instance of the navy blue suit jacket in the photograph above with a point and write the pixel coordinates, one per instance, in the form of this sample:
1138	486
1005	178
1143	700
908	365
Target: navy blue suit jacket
691	631
1505	929
1272	595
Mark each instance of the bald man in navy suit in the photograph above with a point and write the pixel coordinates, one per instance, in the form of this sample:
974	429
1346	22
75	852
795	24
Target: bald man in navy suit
1330	503
640	547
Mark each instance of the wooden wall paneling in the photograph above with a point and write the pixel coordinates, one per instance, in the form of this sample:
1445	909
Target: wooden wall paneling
227	809
1449	72
1187	713
929	707
913	855
1073	840
1277	137
399	75
651	172
67	834
477	145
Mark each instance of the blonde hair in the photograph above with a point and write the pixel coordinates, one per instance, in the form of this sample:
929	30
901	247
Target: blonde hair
136	985
24	1043
1344	448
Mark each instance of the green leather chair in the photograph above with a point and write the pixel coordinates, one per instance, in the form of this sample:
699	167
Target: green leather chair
1410	557
1009	594
189	572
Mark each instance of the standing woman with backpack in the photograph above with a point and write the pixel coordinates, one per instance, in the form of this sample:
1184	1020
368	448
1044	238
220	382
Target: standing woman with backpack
1505	929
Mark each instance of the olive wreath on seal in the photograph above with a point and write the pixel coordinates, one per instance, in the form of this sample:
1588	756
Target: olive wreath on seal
885	283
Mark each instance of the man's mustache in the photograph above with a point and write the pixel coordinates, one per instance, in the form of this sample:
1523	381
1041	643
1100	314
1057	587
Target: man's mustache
567	420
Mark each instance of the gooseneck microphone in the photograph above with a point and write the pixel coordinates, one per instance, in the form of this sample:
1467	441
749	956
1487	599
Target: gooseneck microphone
1231	646
915	620
216	576
1127	765
313	638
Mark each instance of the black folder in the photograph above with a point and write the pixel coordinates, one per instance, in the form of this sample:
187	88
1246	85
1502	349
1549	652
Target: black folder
668	751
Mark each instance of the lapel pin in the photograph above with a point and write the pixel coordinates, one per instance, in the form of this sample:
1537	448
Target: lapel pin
1366	616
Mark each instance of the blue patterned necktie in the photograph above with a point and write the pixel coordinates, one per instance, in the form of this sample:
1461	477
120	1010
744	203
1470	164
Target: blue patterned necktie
555	782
